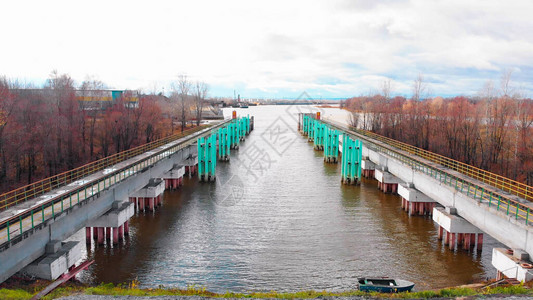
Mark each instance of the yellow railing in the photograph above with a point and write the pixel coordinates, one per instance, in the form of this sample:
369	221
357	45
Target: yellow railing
511	186
40	187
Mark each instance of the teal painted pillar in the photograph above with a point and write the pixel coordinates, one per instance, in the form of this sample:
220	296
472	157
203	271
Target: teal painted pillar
311	130
319	135
235	137
223	144
351	160
331	145
207	158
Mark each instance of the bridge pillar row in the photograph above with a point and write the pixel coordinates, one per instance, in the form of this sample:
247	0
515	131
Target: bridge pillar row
110	226
387	182
150	196
191	165
174	178
415	202
456	231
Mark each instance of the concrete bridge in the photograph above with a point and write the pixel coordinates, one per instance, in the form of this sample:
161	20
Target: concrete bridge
463	200
102	196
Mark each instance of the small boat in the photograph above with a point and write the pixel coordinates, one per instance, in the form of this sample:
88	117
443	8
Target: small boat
384	285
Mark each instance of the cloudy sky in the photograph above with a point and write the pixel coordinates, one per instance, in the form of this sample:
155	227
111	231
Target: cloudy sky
273	49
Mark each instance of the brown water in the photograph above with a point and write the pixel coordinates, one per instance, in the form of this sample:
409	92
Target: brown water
279	219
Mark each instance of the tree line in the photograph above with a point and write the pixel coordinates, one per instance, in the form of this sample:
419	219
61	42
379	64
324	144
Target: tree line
51	129
492	130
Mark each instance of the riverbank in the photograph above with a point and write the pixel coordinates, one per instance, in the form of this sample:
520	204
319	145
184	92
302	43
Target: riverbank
75	290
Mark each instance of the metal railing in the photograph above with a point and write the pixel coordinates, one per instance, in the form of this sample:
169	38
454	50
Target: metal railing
474	184
14	228
40	187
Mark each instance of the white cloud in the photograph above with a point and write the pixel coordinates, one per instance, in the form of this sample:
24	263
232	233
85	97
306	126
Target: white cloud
270	48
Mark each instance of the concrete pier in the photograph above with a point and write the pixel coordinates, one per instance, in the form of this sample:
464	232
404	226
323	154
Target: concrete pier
111	221
415	202
455	230
191	165
512	264
367	168
387	182
150	196
174	177
59	257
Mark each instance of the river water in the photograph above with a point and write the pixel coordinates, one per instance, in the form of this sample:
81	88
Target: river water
278	218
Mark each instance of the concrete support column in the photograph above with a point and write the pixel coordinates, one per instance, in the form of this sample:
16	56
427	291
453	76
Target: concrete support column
441	230
141	203
88	235
108	233
101	235
115	235
151	201
127	228
121	232
460	238
479	241
95	233
452	241
447	239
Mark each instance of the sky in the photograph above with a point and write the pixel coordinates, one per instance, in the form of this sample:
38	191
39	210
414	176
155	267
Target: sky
273	49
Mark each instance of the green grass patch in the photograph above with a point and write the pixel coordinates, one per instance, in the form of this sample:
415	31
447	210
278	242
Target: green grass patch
132	289
14	294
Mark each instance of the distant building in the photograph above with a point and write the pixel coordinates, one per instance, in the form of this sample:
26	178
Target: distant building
101	99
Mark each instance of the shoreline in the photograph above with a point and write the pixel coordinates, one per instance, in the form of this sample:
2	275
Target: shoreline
25	289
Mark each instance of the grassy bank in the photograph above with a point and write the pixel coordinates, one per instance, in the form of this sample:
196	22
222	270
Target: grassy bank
133	290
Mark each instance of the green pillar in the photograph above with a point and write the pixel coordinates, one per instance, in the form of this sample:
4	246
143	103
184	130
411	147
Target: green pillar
223	144
207	157
351	160
319	132
331	145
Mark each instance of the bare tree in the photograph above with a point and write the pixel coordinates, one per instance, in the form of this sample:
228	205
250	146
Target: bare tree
386	89
507	90
181	92
200	93
419	87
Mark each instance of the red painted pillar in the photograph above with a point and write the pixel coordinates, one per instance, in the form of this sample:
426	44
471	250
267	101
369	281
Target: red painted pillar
100	235
467	241
479	241
108	233
95	233
447	239
403	202
472	240
127	228
141	203
440	232
411	208
115	235
151	203
121	232
88	235
452	242
460	238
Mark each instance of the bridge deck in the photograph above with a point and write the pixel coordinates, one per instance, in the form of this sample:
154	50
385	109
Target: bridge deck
482	191
35	212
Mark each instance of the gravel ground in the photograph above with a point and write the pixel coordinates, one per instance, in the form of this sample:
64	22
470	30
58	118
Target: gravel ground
97	297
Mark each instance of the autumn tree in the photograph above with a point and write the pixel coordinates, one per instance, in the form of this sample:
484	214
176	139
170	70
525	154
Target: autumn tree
199	95
181	92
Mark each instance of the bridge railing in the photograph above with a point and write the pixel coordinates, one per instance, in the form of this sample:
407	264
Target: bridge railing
14	228
40	187
492	196
519	189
